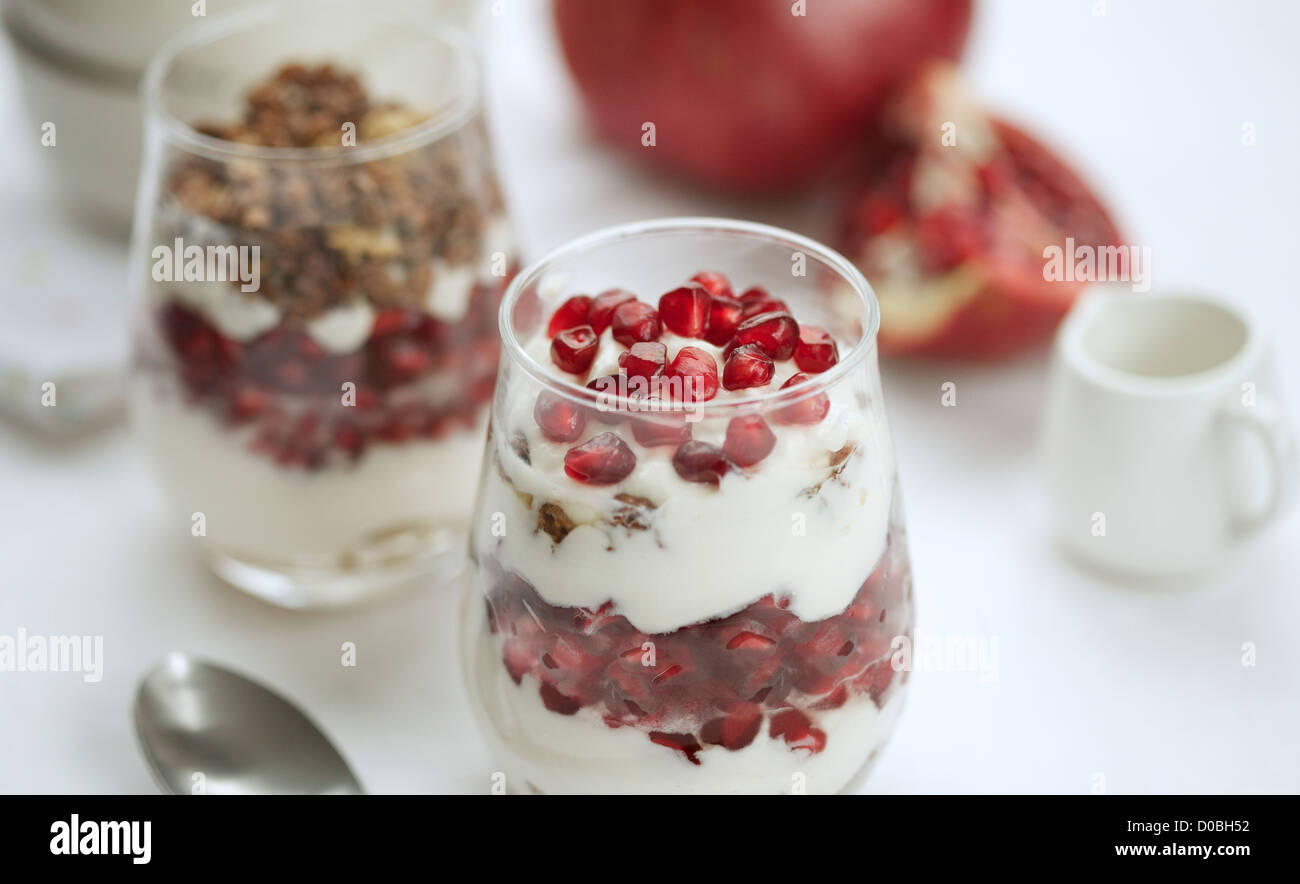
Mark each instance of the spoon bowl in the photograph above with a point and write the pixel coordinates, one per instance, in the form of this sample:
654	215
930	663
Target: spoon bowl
206	730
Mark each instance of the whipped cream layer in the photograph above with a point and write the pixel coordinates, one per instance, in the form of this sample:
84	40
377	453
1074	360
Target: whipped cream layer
383	503
538	749
798	525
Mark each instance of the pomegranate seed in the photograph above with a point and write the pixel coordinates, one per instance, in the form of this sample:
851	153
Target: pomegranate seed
684	743
816	351
797	731
602	460
714	283
571	314
735	731
660	430
776	333
560	419
248	402
807	411
724	315
645	360
757	300
348	438
635	321
392	320
602	308
700	462
574	349
608	405
685	310
558	702
749	440
403	360
698	374
750	641
747	366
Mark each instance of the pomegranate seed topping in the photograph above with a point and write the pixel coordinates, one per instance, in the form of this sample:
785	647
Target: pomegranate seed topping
806	411
749	440
714	283
816	351
635	321
560	419
797	731
776	333
747	366
574	349
660	429
602	460
700	462
685	310
737	730
645	360
684	743
571	314
757	300
693	374
724	315
602	308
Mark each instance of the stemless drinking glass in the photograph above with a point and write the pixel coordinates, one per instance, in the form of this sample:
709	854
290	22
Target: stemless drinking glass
680	583
320	250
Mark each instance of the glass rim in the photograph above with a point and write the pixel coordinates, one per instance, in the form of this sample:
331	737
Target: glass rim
443	122
847	270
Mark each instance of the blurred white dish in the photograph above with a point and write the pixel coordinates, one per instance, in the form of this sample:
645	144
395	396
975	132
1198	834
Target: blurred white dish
1164	441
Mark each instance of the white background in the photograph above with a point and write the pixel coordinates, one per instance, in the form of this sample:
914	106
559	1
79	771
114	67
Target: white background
1141	685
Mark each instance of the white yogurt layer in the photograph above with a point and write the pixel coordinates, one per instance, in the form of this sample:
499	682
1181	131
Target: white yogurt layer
257	510
709	551
559	754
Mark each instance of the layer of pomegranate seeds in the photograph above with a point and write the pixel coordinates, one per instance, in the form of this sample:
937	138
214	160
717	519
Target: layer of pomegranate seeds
724	315
816	350
747	366
758	674
601	313
685	311
700	462
559	419
749	440
604	459
645	359
571	314
635	321
776	333
693	374
716	284
807	411
662	429
574	349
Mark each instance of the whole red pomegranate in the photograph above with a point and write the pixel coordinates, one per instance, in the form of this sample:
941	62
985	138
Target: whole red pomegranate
749	95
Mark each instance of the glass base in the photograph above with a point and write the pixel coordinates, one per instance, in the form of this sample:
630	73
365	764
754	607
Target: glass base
305	586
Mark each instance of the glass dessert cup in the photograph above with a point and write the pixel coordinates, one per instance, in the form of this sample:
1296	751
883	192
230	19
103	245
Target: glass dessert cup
676	591
318	273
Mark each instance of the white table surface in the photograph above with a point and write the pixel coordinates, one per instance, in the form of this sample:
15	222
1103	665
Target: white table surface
1144	687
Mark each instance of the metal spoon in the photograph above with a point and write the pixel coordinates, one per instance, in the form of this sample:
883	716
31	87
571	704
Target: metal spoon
204	729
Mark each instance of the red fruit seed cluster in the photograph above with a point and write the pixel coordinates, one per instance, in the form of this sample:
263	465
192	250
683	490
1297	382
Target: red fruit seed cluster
723	682
756	331
286	387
